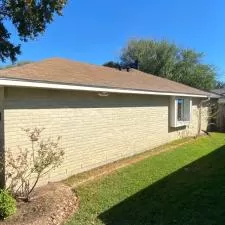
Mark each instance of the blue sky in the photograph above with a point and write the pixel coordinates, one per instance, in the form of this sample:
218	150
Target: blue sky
95	31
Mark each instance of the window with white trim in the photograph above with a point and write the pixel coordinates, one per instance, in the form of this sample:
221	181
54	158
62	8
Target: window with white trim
180	111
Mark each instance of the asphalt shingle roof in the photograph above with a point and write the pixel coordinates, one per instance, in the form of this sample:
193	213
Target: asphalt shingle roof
65	71
220	91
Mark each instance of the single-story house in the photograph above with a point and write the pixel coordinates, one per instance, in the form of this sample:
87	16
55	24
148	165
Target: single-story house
102	114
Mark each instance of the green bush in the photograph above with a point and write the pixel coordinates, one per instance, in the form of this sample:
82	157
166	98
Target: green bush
7	204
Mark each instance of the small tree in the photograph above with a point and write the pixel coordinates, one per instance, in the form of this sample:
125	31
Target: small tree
210	115
24	171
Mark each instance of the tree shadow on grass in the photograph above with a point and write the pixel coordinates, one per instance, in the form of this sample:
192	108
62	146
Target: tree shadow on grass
193	195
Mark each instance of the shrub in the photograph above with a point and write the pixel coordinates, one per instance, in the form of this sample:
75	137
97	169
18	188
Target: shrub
7	204
24	170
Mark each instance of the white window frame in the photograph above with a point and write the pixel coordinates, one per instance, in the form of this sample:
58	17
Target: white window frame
186	111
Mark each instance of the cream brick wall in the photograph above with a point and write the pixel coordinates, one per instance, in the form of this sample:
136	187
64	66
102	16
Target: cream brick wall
95	130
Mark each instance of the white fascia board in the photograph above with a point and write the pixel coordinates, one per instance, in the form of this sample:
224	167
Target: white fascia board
39	84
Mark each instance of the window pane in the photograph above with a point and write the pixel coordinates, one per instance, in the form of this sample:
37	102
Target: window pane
180	109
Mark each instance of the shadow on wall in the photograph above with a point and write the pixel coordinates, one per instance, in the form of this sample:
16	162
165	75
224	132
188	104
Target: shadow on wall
193	195
43	99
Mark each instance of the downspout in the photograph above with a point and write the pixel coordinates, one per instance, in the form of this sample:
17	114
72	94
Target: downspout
200	114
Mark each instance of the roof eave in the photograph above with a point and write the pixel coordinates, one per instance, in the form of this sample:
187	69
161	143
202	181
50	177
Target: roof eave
12	82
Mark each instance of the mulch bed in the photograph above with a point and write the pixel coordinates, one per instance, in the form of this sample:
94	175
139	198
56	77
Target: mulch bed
52	204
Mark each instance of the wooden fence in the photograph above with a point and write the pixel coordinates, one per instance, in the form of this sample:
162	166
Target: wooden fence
220	120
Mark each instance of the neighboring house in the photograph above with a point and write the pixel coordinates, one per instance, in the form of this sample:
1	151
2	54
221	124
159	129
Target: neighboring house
219	91
102	114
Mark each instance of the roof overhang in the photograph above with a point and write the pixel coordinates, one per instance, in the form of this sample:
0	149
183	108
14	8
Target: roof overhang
12	82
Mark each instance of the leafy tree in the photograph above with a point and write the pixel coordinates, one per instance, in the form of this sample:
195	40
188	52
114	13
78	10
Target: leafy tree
164	59
30	17
190	71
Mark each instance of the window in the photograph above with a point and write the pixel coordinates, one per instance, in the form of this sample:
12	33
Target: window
180	111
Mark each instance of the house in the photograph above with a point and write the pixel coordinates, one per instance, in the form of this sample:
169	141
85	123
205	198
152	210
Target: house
102	114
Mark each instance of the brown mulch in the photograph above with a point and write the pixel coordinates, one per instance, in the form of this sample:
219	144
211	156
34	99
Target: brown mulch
52	204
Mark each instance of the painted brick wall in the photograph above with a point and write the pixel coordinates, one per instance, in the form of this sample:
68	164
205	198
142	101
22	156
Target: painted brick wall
95	130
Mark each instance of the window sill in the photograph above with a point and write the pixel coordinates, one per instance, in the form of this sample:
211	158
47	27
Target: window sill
182	123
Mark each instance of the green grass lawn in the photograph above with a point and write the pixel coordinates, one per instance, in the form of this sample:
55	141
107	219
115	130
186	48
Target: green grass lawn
185	186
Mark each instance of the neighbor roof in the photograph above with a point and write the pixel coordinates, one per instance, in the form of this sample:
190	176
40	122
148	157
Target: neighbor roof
66	72
219	91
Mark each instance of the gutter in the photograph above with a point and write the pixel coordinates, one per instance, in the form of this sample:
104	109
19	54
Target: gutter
10	82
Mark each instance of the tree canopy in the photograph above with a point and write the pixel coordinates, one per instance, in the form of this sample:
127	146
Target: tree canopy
165	59
30	18
112	64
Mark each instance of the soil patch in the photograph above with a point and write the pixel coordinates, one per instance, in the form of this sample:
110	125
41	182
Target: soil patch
52	204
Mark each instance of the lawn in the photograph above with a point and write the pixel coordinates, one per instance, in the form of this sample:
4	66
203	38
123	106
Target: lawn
185	186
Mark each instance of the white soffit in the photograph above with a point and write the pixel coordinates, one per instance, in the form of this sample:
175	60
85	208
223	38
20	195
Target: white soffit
60	86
